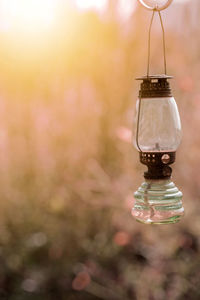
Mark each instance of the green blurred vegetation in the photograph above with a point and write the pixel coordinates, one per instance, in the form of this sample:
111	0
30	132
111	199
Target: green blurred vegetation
68	169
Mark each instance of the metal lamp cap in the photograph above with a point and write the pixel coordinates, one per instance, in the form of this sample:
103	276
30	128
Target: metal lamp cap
155	86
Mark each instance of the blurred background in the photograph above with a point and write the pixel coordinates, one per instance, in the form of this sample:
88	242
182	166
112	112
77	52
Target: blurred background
68	169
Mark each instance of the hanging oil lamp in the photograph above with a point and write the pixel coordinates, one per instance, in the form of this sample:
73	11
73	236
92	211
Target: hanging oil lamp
157	137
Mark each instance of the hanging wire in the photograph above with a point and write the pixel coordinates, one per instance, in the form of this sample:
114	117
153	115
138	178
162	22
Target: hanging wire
164	44
149	41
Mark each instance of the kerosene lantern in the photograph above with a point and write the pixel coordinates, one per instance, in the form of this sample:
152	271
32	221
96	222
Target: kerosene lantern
157	137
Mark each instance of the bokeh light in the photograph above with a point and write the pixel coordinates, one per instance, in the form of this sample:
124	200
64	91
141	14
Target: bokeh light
28	15
91	4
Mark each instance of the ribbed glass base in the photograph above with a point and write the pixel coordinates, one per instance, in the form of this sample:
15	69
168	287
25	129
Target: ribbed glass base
158	202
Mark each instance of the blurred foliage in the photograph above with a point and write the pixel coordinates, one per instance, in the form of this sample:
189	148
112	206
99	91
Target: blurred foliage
68	169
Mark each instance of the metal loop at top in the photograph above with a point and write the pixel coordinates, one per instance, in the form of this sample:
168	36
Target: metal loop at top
156	8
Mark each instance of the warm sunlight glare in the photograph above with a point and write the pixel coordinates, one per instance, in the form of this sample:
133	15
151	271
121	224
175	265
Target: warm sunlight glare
88	4
31	15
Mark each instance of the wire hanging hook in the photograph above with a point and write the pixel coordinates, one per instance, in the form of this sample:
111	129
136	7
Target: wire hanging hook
157	8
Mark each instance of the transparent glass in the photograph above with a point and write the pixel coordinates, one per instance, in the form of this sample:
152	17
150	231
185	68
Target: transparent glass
159	125
158	202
